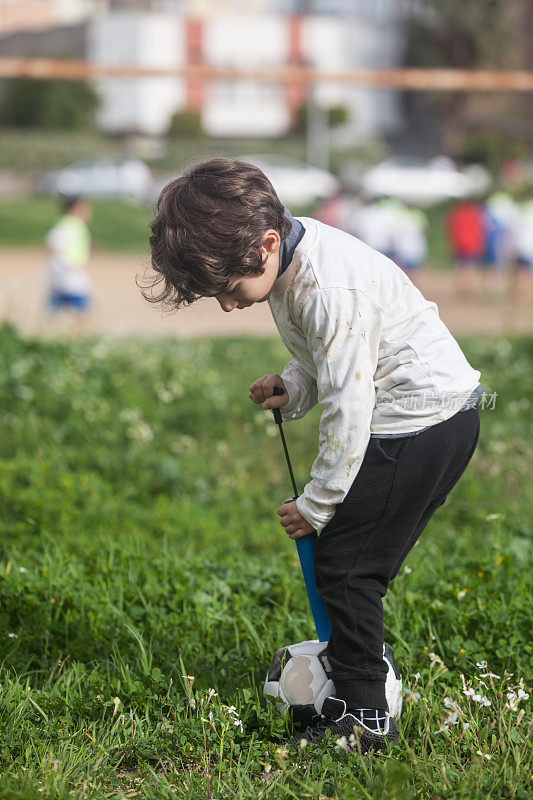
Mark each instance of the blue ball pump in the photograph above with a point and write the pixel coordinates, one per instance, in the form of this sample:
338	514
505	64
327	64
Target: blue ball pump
306	548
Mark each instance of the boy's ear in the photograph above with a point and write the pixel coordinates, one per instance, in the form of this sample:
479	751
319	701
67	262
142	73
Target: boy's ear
270	241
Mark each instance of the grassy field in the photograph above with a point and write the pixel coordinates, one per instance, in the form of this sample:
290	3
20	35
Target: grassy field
145	585
115	226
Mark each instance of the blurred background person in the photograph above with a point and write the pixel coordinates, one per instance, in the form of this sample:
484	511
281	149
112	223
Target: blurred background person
522	274
335	211
410	239
68	246
466	233
500	230
373	222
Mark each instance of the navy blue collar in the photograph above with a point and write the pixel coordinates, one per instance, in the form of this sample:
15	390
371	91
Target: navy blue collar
290	243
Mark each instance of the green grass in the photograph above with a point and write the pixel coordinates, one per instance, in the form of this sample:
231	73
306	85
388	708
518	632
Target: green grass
115	226
140	545
438	247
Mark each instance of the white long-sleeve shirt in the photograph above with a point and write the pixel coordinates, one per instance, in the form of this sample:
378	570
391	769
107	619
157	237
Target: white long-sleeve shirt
368	347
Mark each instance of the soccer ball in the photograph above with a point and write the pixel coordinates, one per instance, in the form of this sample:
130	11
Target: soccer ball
299	681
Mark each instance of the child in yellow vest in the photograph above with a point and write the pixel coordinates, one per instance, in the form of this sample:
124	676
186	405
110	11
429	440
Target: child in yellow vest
68	246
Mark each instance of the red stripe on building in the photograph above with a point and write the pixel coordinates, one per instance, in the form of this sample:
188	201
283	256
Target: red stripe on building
194	56
295	93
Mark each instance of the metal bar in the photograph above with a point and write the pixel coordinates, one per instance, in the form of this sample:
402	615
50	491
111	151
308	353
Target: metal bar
414	79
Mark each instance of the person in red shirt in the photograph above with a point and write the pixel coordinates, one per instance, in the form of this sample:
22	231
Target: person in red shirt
466	231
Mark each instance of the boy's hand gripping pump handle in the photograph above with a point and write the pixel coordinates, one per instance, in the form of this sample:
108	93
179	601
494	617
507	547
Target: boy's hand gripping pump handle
306	547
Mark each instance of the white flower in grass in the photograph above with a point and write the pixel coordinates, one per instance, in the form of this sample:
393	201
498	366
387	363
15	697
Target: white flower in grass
413	697
448	701
22	569
342	744
12	636
485	755
211	693
468	692
210	721
407	570
451	719
417	676
466	725
238	723
476	698
513	698
481	664
490	675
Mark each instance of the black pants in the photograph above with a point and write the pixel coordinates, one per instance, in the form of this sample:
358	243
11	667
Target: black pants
397	490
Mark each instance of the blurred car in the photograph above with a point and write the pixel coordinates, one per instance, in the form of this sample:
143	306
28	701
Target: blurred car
297	183
127	179
423	182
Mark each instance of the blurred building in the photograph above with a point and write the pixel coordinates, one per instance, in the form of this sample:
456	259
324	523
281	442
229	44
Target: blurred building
246	108
330	36
23	15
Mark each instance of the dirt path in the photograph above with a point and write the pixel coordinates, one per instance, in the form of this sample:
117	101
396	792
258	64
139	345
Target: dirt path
120	310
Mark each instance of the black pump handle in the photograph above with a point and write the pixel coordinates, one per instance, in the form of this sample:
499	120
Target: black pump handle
277	412
277	418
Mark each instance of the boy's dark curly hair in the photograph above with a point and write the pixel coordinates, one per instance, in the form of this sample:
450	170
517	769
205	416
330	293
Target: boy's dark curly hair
208	227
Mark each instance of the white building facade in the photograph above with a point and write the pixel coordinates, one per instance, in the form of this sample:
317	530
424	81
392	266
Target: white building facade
246	41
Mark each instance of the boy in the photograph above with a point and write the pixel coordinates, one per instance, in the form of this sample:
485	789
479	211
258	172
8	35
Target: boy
68	246
389	376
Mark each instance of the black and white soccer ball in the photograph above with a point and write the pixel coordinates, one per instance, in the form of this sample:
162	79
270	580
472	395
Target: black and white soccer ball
299	680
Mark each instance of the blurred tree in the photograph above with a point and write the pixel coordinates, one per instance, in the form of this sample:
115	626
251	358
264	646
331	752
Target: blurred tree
65	105
337	115
469	34
463	33
186	124
490	148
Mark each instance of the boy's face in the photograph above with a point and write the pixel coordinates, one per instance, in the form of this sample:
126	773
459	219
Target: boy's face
245	291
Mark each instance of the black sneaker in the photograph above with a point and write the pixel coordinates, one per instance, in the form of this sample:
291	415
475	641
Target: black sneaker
354	734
